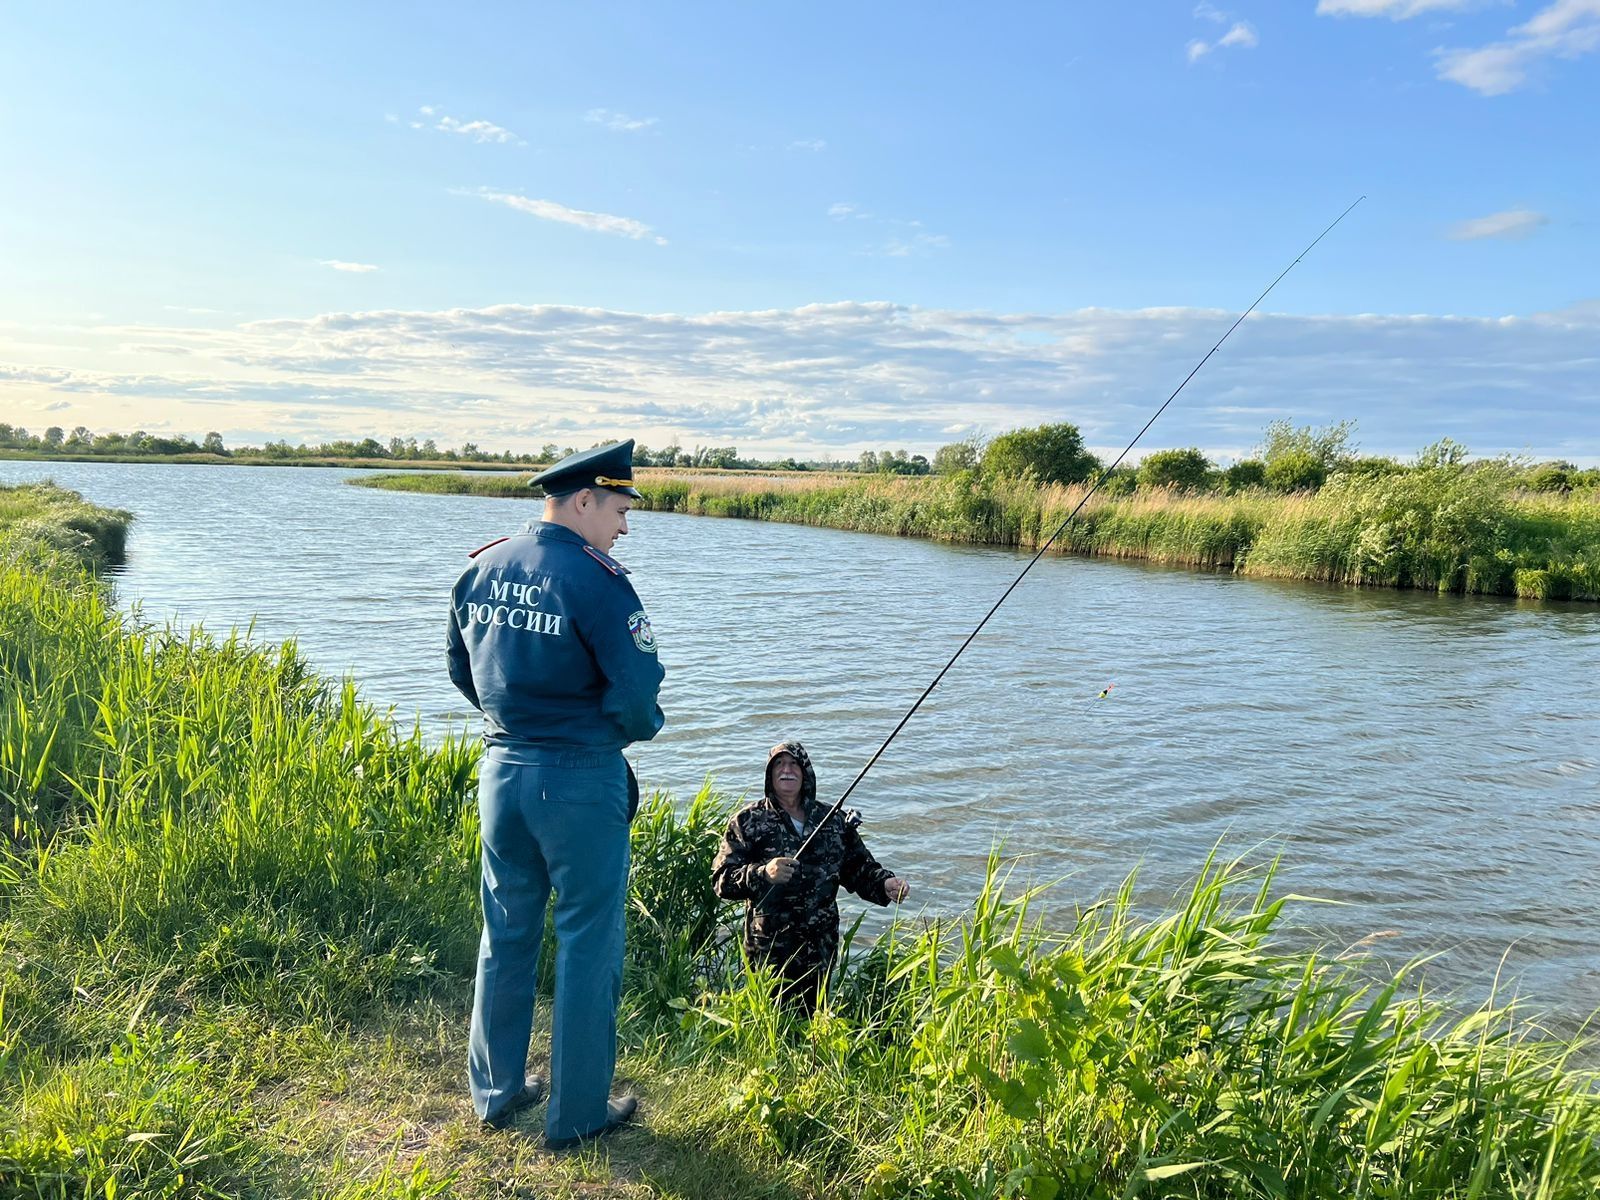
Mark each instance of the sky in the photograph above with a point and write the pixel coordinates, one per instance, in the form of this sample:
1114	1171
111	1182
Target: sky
803	229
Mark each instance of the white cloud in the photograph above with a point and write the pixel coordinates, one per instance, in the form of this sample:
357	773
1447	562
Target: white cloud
478	131
1206	12
835	375
848	212
618	122
354	268
815	145
549	210
1513	223
1565	29
1242	35
1395	10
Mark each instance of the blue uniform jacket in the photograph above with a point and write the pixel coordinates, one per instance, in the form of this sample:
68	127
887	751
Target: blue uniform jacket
548	639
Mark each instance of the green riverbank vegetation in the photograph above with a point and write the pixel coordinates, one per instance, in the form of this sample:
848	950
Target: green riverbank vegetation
40	517
1443	523
237	928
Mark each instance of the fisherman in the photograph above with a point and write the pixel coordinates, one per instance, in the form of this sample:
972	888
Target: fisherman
549	640
791	917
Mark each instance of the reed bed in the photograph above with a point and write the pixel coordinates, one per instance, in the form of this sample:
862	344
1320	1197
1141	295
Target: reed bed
237	926
652	481
1189	1055
1444	528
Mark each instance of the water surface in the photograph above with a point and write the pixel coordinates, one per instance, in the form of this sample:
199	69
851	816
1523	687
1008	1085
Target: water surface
1434	761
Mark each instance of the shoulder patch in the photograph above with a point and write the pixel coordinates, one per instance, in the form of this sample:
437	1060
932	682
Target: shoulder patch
606	561
643	636
481	549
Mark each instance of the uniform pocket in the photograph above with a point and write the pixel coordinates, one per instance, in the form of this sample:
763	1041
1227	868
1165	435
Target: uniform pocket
602	788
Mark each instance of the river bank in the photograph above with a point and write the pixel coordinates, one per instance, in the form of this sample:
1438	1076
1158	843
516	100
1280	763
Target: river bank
1445	528
48	518
189	1006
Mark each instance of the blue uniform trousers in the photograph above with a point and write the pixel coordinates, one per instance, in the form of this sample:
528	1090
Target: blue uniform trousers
550	819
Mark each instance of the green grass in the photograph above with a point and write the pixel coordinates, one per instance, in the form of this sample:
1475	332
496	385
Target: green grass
236	933
38	517
1446	528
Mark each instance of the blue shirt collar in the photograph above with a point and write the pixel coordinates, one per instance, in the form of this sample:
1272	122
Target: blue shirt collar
553	532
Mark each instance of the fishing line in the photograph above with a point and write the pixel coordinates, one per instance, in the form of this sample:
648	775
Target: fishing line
1105	473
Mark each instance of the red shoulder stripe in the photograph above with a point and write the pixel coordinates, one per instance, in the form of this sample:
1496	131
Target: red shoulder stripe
496	542
605	561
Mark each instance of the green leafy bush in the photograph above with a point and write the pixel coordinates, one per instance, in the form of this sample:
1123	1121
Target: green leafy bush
1182	470
1045	453
1241	476
1296	471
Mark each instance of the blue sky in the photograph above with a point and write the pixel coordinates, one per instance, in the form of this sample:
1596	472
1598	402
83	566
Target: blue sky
802	229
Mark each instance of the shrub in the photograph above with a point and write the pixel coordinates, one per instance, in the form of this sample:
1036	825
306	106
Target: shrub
1550	477
1249	473
1296	471
1369	467
1329	445
1182	470
957	456
1046	453
1121	482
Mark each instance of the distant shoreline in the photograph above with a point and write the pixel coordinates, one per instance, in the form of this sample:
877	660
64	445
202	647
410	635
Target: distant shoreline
1448	530
230	460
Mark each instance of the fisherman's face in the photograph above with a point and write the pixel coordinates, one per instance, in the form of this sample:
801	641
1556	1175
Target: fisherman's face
601	516
786	777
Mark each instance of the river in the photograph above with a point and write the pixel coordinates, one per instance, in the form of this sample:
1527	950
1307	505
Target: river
1434	761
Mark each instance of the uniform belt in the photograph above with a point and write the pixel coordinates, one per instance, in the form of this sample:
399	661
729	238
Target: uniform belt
550	756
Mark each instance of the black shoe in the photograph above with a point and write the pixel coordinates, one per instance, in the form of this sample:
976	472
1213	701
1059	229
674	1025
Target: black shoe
532	1092
618	1113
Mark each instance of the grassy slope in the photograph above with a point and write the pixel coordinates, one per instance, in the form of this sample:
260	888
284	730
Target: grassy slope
1444	529
236	928
45	516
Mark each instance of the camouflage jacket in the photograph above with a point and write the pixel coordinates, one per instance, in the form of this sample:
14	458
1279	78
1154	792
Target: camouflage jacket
796	929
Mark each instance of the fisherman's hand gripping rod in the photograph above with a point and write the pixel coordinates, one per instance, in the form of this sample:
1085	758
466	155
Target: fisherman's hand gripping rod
1105	472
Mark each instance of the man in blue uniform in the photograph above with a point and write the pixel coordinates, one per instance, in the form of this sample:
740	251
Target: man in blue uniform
549	640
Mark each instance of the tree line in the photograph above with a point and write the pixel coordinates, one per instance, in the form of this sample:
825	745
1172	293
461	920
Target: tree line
1289	458
139	443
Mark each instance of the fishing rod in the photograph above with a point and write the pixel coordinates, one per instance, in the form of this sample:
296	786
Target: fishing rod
1105	473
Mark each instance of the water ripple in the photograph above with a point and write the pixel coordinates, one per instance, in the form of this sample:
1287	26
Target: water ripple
1430	759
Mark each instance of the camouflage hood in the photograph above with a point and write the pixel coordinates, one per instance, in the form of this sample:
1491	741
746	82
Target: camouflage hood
808	776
